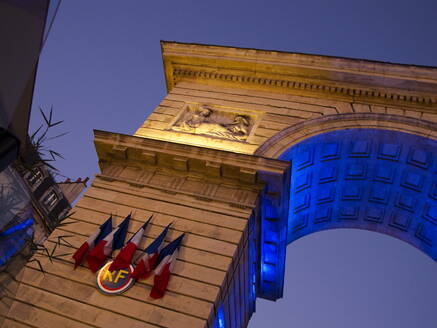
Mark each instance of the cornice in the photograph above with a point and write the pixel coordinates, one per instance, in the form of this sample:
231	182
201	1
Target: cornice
114	148
338	91
341	64
307	75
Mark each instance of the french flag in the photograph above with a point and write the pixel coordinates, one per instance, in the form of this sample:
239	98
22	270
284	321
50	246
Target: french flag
167	259
124	258
148	261
93	240
114	240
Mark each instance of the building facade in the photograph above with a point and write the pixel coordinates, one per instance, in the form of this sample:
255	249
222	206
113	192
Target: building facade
248	151
31	201
33	204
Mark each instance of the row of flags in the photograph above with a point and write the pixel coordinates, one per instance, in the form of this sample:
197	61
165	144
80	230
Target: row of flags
155	258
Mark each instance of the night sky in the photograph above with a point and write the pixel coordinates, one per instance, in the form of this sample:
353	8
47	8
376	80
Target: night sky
101	68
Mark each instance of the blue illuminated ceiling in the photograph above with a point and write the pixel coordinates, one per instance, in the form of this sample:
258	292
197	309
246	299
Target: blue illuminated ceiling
384	181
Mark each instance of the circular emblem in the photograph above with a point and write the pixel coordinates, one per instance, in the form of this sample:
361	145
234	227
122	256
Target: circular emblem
115	282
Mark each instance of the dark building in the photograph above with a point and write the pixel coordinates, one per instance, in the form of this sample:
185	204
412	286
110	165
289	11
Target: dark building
31	201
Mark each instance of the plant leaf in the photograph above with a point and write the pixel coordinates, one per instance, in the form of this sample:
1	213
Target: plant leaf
44	116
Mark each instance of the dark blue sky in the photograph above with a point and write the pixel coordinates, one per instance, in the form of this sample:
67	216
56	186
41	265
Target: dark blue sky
101	68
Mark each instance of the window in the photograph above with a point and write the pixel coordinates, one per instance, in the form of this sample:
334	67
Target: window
50	199
34	177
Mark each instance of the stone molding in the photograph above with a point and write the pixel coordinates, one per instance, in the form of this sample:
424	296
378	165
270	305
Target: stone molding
288	137
125	150
359	93
309	75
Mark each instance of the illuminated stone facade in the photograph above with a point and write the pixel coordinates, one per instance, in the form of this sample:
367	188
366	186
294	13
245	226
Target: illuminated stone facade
248	151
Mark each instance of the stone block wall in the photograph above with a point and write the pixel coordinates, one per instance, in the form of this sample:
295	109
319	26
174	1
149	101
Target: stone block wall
278	113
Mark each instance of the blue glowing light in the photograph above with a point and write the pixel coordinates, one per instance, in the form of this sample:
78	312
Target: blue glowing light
273	243
368	179
17	227
14	238
220	318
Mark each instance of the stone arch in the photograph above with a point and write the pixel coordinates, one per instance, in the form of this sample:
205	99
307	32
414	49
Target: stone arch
283	140
372	179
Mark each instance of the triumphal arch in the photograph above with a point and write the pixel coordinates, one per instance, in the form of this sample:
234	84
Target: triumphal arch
249	151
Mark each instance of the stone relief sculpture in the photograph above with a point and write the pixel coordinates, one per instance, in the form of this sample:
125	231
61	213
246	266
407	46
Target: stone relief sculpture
196	119
206	121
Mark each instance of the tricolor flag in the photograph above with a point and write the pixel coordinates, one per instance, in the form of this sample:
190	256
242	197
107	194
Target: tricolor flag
124	258
148	261
167	259
93	240
115	240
